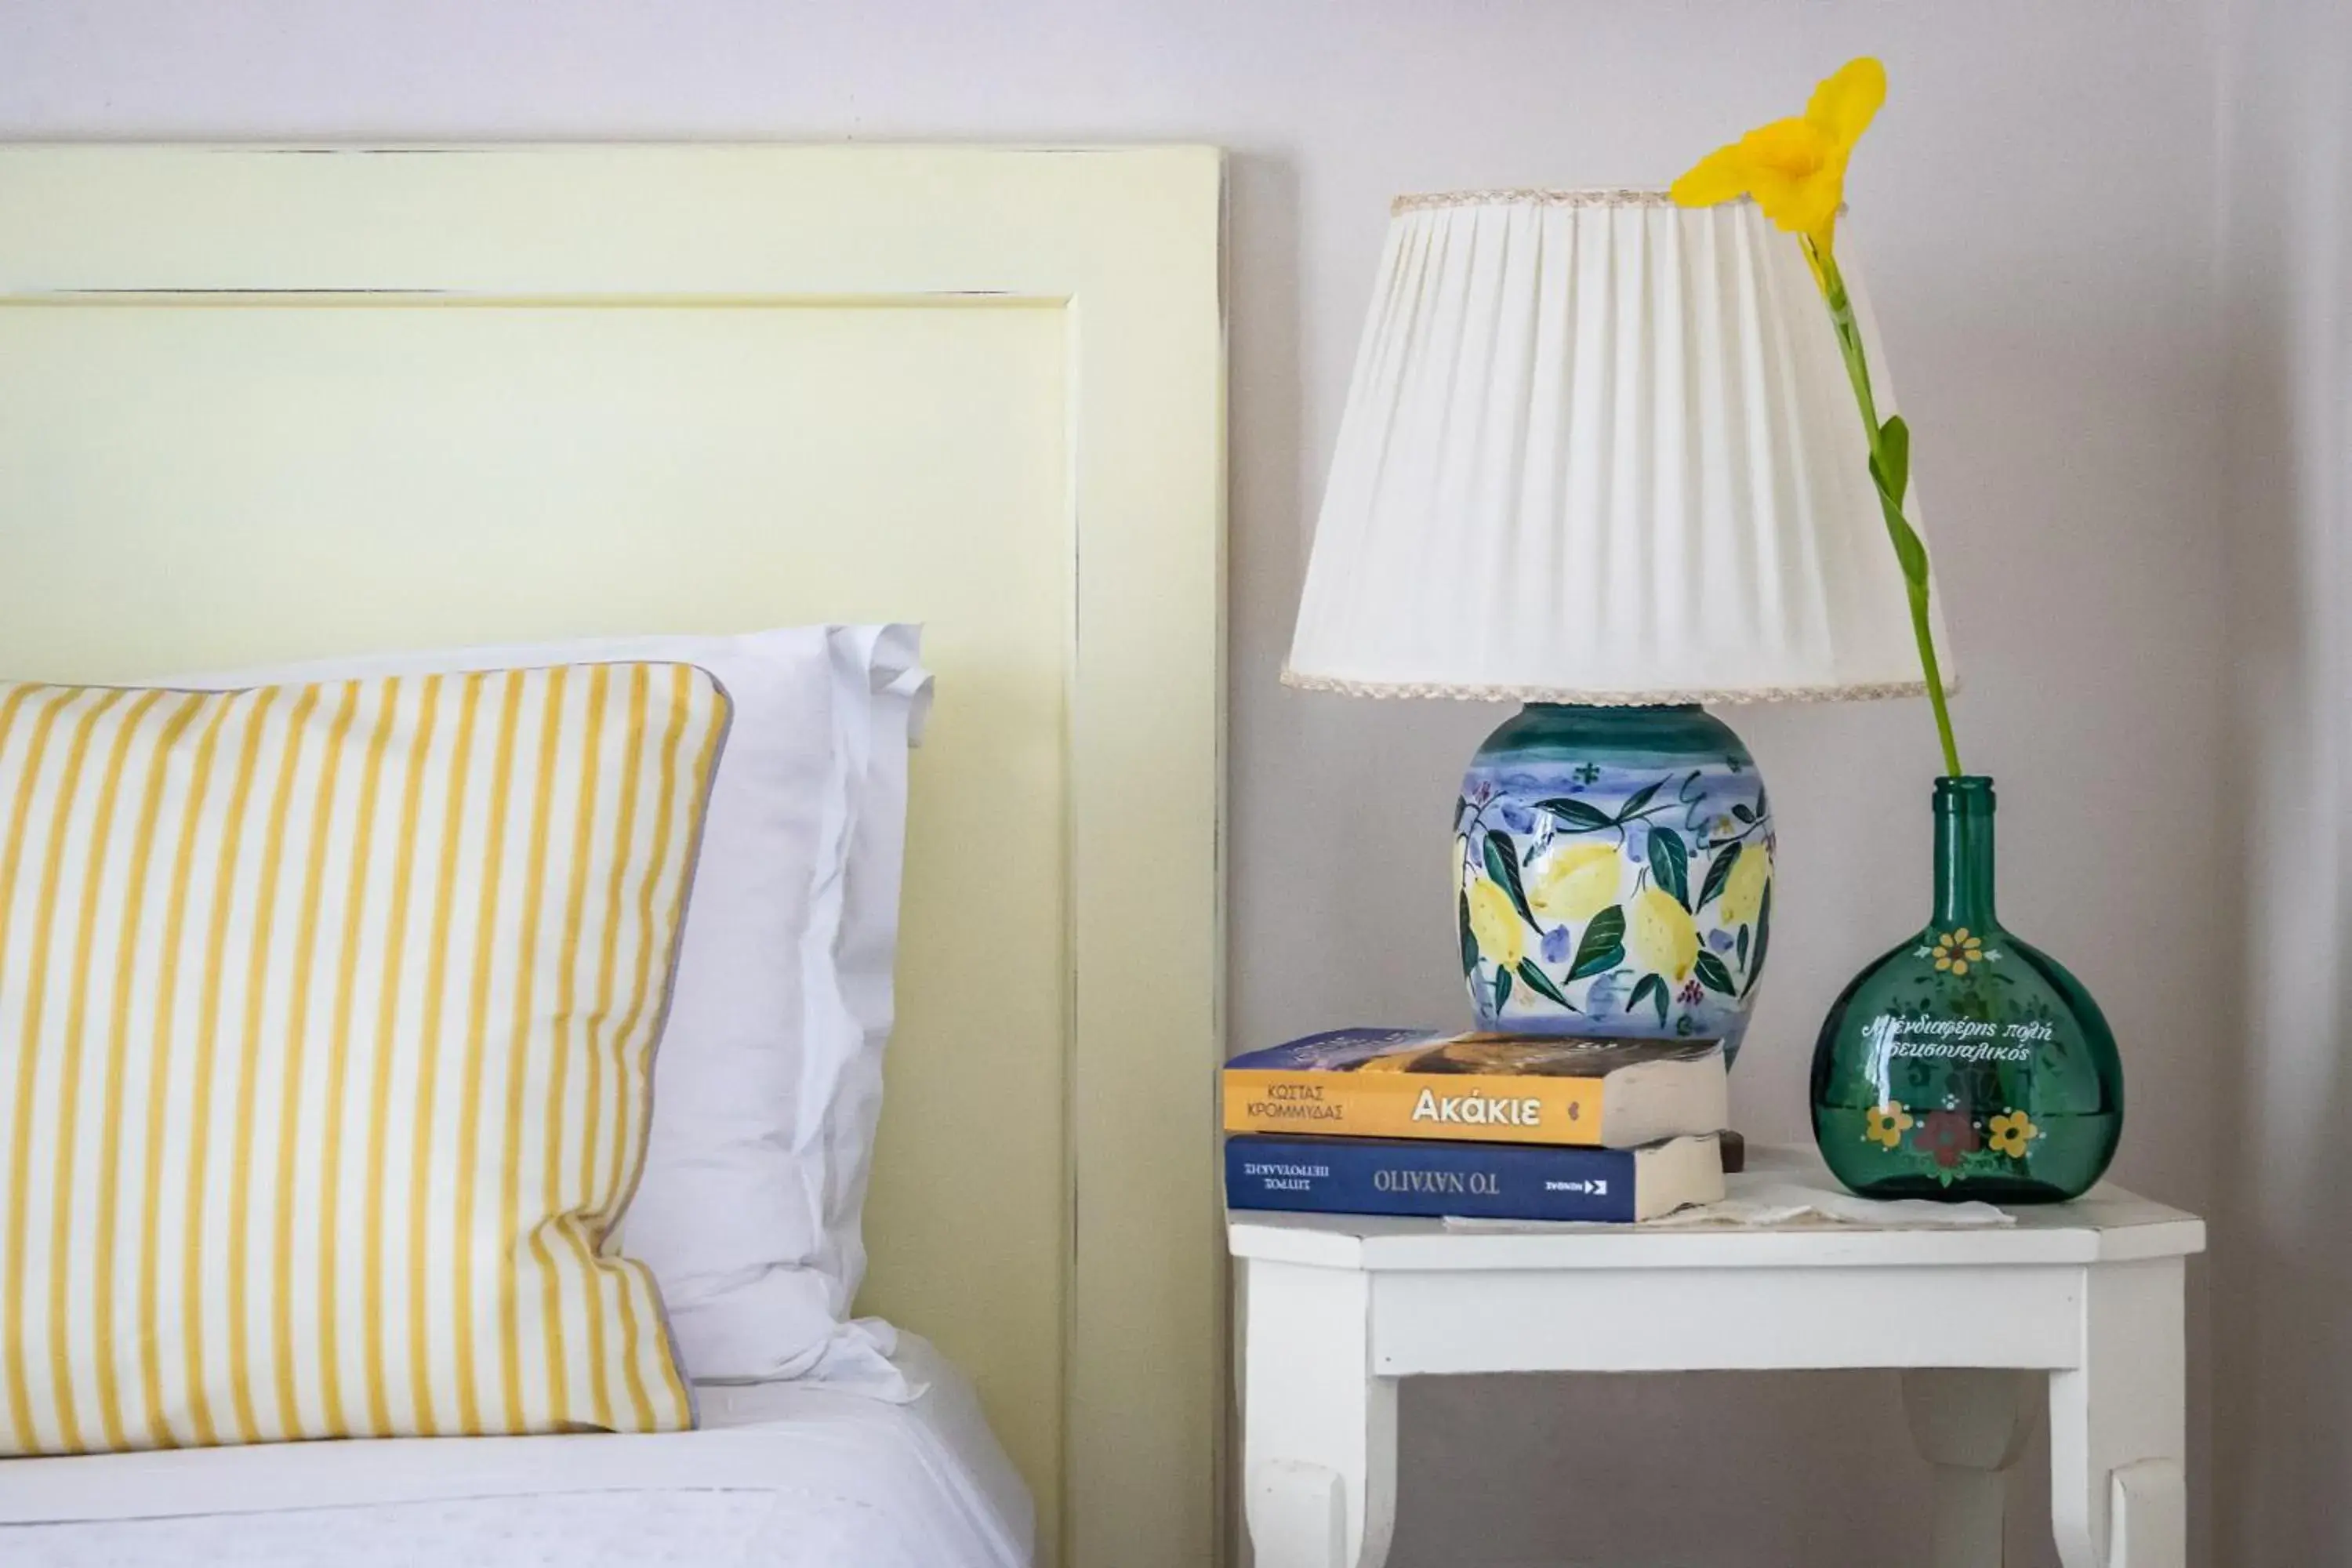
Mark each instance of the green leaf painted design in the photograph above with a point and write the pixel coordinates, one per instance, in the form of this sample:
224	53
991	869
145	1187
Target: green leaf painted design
1670	864
1581	814
1652	987
1501	990
1638	799
1502	857
1469	938
1719	872
1763	937
1604	946
1743	814
1714	975
1537	980
1743	947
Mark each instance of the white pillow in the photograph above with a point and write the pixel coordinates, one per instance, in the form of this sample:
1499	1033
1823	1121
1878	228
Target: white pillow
769	1080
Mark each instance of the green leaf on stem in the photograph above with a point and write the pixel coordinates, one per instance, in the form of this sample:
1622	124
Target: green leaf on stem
1910	552
1891	464
1890	470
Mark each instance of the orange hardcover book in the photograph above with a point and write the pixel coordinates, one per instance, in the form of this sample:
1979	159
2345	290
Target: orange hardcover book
1492	1089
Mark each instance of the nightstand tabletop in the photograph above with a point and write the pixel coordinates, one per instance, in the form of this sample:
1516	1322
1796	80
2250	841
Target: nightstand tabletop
2110	1225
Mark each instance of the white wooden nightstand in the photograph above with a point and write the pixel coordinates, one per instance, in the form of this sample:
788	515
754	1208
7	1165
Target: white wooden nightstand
1335	1309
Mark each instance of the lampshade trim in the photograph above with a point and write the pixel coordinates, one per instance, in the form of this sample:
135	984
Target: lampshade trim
1662	697
1595	196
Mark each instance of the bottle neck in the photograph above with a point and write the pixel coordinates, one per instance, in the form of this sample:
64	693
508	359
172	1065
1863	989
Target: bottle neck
1964	854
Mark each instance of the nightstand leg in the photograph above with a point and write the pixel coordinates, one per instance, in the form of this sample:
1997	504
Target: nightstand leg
1318	1439
2118	1498
1971	1426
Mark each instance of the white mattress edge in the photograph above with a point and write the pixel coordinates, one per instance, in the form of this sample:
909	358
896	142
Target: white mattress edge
747	1429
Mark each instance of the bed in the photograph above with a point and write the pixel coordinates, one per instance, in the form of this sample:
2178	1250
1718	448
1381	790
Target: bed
260	404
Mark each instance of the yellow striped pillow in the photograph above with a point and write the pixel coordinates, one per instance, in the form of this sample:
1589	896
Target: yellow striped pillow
326	1020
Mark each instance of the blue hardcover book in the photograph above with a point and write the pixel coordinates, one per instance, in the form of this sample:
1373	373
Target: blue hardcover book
1477	1180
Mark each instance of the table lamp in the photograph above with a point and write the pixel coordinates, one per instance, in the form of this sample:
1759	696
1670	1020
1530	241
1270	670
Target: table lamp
1600	458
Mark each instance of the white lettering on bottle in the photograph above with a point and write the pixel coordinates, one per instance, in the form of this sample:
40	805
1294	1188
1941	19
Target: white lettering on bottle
1952	1039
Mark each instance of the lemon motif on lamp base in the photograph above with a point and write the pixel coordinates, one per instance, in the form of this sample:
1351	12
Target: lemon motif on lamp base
1613	870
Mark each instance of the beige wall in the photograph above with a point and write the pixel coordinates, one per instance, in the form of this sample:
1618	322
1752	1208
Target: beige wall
2037	215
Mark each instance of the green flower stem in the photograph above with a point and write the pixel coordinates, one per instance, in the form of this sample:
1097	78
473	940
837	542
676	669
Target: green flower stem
1890	468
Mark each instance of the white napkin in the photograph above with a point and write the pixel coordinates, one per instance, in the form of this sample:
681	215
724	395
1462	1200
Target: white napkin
1770	1205
1783	1206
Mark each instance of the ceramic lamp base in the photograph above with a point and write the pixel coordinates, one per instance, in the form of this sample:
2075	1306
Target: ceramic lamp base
1613	874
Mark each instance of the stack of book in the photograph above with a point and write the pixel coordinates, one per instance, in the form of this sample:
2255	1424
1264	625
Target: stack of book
1402	1122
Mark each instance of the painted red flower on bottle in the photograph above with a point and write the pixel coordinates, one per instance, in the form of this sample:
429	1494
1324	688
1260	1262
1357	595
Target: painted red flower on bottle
1947	1135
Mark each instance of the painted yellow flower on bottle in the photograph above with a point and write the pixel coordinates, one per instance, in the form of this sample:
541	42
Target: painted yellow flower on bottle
1574	882
1958	951
2009	1133
1743	890
1502	938
1795	168
1885	1123
1660	932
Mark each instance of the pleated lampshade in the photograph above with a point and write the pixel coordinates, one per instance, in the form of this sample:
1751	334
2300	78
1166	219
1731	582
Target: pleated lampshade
1601	450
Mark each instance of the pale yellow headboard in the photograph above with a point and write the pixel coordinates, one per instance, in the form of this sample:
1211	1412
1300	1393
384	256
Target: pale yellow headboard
264	404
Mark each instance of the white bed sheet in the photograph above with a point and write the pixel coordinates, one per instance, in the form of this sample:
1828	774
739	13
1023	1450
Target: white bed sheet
777	1476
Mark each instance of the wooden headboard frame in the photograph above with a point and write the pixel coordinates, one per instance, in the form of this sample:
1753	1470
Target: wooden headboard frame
145	291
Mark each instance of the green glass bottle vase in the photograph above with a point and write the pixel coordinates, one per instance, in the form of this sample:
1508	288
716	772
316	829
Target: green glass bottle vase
1966	1064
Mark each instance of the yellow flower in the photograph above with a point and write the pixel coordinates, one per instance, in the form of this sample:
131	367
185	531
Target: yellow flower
1501	938
1661	935
1743	890
2011	1132
1886	1124
1957	950
1574	883
1796	168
